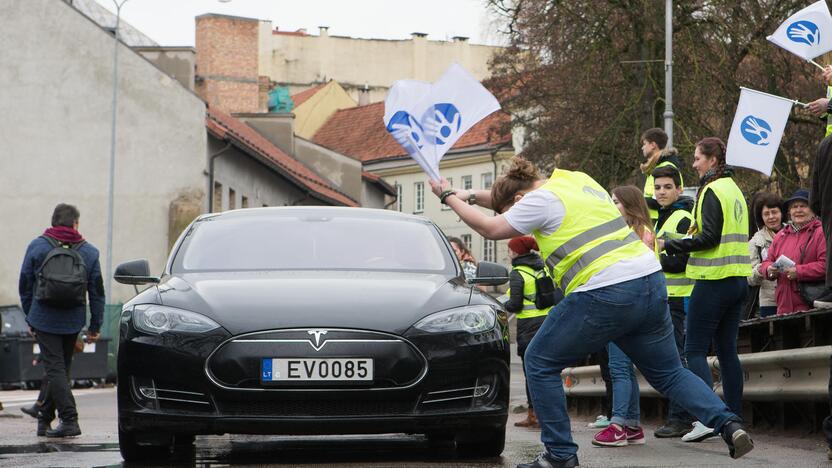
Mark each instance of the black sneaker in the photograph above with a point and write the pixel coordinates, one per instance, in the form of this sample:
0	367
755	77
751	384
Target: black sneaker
673	429
33	411
825	301
544	460
739	442
65	429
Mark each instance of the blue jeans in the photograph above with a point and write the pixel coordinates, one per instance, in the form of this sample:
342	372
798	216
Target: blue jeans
714	314
678	312
633	314
625	394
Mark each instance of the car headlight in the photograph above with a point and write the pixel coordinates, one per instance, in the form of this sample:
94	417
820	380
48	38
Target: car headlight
151	318
473	319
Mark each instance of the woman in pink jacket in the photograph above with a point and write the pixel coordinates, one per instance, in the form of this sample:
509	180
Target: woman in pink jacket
803	242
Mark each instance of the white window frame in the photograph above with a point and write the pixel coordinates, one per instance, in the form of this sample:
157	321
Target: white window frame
419	197
450	183
488	250
483	177
466	239
467	182
399	197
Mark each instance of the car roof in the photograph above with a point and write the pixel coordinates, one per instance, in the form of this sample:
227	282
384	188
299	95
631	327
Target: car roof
331	211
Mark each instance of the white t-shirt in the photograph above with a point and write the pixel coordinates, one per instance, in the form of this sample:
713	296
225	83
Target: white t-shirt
542	210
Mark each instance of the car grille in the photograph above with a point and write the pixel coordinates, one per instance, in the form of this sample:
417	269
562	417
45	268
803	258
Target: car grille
317	408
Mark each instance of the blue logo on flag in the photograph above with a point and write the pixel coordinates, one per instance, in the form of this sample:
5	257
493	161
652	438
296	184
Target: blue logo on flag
804	32
442	122
406	131
755	130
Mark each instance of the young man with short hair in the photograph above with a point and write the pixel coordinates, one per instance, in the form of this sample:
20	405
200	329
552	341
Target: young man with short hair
59	276
673	221
656	155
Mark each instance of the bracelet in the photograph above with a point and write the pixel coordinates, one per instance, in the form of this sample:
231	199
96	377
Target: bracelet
444	195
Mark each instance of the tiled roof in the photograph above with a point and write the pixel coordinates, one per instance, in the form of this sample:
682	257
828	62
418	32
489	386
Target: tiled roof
304	95
226	127
376	179
359	132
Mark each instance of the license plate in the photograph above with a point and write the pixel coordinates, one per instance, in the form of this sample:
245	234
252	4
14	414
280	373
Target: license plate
303	369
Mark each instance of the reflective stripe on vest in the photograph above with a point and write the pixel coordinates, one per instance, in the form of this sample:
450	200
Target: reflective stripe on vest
828	117
730	257
592	235
649	186
678	284
529	293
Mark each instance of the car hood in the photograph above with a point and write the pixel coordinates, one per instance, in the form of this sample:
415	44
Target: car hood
250	301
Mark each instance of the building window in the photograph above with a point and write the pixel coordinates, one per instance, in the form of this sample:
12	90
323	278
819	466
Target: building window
419	189
217	197
487	180
467	182
451	184
232	199
466	239
244	202
399	198
487	250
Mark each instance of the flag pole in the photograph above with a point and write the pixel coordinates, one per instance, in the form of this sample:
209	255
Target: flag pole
815	64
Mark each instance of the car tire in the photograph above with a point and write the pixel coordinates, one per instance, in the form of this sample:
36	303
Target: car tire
481	444
132	451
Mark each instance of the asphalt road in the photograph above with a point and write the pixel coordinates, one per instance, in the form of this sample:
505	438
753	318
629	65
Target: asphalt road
98	446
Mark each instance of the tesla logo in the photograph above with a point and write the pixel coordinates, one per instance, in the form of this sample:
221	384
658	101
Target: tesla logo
317	334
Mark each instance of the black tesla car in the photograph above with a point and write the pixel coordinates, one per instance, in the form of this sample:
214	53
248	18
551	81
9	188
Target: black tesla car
312	320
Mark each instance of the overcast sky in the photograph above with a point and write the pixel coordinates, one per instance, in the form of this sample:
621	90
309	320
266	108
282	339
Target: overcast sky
171	22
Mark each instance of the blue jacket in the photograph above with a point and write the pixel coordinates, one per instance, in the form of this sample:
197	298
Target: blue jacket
51	319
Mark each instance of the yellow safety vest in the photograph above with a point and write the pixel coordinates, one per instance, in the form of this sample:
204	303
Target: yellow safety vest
678	284
649	188
592	236
730	257
529	293
828	117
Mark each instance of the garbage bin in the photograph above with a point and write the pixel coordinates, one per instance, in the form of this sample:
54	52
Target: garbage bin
19	353
109	332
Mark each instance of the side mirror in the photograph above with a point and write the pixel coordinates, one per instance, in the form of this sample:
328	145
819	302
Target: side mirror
134	272
490	274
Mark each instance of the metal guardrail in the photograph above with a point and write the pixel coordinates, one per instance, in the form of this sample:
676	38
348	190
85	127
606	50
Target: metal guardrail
793	374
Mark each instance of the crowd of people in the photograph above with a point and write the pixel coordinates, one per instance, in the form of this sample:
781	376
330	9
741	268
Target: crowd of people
654	284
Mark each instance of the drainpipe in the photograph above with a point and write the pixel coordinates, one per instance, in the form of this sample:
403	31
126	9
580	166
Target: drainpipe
211	175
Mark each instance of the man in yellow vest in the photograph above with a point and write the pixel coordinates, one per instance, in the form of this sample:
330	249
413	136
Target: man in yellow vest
821	107
526	267
656	155
614	291
675	219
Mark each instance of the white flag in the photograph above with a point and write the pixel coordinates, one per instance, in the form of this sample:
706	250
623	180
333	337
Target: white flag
427	119
757	129
807	33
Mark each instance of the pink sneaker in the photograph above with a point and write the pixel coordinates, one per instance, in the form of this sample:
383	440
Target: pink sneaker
613	436
635	435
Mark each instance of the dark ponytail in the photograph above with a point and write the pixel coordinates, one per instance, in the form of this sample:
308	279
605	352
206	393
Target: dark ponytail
711	147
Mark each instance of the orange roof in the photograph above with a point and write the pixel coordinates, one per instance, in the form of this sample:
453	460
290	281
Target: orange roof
226	127
304	95
359	132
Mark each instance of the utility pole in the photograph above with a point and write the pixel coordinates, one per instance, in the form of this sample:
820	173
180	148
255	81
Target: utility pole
668	71
111	181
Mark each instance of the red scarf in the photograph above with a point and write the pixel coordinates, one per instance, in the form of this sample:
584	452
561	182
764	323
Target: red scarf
64	234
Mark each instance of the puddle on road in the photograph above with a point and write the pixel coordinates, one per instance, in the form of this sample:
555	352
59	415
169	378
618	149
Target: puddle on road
49	447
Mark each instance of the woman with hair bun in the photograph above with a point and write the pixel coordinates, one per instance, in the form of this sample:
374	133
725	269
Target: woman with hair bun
720	264
614	291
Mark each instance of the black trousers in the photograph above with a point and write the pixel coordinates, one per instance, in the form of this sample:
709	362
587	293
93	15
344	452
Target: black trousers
56	353
827	423
526	329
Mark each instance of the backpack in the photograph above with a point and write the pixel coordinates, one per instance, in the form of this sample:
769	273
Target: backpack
61	280
546	294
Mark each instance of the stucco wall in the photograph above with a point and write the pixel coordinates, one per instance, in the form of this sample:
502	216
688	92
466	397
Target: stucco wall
314	112
56	78
253	180
343	171
178	62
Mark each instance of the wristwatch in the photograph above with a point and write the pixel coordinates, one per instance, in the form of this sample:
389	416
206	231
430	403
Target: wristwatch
472	197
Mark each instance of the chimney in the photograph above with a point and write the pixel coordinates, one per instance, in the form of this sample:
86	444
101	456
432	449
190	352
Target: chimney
323	31
460	39
415	35
364	95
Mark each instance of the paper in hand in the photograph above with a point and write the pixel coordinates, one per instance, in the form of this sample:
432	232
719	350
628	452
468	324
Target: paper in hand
783	262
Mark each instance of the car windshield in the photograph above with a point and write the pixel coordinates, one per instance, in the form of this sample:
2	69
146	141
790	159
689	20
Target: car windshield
312	242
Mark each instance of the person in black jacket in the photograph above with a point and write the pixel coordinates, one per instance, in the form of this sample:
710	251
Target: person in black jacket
821	204
526	266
